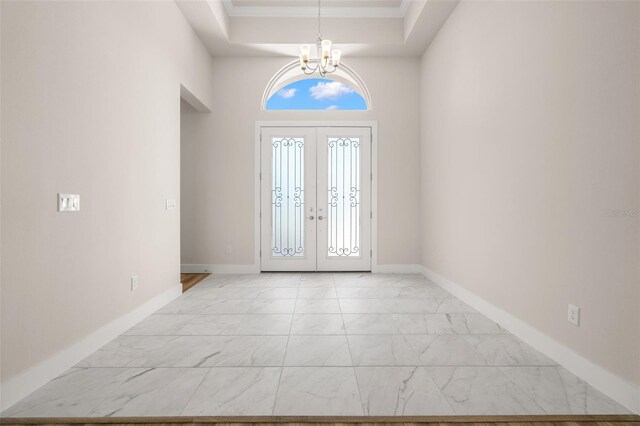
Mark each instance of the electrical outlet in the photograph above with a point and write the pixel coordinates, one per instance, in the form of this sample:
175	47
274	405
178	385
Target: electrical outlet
227	249
68	202
134	282
573	316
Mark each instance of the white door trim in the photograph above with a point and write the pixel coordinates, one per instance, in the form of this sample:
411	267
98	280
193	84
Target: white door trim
374	184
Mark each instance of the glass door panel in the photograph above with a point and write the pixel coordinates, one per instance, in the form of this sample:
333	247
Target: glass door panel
288	199
344	199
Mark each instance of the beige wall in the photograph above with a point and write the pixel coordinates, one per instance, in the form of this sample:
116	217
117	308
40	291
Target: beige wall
530	133
90	105
218	158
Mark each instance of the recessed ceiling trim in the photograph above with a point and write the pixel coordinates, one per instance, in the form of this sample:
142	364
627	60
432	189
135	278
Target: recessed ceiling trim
312	11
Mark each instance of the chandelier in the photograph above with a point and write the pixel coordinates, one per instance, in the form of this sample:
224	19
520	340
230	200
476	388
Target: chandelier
327	60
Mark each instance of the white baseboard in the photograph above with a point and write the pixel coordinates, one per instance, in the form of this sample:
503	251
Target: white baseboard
254	269
219	269
16	388
617	388
397	269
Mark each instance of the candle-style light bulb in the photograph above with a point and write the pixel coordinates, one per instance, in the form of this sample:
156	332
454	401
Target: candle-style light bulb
326	49
335	57
304	53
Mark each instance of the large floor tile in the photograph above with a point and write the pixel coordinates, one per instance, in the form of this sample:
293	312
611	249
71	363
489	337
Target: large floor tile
317	306
356	293
73	394
285	279
370	324
447	324
411	306
264	324
507	350
452	305
277	293
189	351
317	351
318	391
317	293
400	391
361	306
187	325
233	391
558	391
221	293
445	350
272	306
388	350
482	391
317	324
205	306
152	392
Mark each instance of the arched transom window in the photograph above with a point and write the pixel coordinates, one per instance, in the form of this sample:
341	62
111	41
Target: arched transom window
291	90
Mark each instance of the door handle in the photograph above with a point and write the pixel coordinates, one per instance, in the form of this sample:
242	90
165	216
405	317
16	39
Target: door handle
319	217
310	217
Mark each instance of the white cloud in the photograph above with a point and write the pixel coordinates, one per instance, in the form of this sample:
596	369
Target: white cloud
332	107
287	93
329	90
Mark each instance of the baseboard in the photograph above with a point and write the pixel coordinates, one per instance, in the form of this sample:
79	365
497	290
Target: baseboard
254	269
617	388
397	269
219	269
22	385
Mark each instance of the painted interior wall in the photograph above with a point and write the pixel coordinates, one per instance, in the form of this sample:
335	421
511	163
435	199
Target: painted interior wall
530	136
90	105
218	149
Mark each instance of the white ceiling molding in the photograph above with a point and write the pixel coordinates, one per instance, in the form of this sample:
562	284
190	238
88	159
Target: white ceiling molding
312	11
361	37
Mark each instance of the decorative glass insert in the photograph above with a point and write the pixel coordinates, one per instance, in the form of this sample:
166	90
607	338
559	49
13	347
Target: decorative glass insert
344	197
287	197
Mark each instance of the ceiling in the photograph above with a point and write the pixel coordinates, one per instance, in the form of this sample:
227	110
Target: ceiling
278	27
309	8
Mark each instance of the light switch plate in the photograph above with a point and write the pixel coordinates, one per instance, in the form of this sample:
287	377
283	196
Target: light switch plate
68	202
171	204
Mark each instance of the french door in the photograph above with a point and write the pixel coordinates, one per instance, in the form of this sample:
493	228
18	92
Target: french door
315	207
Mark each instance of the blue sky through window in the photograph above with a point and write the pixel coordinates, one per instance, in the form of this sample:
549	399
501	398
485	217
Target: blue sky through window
315	94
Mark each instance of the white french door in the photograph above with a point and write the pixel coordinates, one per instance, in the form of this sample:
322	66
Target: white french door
315	212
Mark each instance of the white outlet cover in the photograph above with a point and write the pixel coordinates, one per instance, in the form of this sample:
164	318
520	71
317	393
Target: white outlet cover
134	282
573	315
68	202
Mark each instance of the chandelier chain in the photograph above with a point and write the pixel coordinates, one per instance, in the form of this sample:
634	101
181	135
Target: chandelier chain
319	32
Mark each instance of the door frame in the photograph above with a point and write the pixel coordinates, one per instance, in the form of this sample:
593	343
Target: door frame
372	124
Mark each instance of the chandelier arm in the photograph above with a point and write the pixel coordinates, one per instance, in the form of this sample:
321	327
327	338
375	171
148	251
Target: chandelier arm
311	69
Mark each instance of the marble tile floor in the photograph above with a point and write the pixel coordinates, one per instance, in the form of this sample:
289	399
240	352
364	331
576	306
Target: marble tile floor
315	344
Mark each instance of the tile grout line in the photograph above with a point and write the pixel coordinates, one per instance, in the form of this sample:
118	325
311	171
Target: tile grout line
284	358
353	368
195	391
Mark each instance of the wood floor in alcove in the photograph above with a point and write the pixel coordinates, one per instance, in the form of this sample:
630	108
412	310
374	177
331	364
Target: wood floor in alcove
189	280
